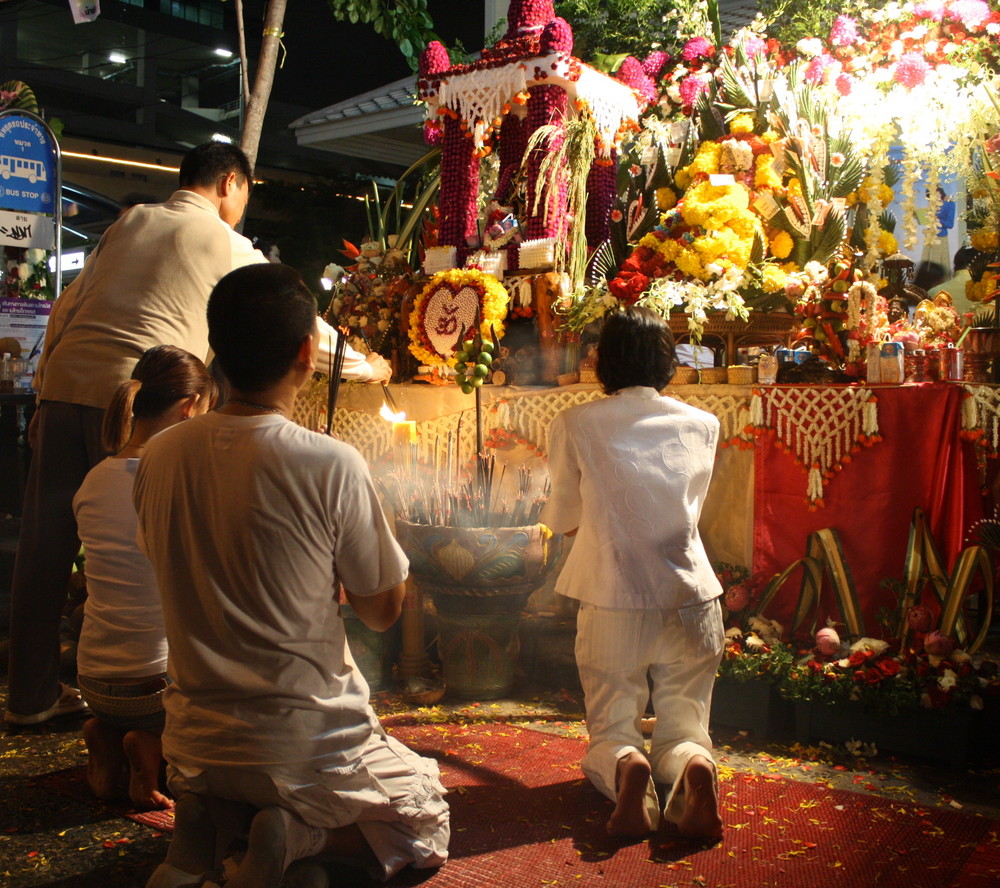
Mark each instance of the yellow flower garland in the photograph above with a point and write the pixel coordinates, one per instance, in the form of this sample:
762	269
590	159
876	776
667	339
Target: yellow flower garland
782	245
493	299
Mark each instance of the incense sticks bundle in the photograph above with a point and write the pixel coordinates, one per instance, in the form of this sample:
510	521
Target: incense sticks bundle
420	498
336	368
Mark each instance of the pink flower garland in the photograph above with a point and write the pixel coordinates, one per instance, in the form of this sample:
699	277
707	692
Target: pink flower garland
697	48
692	87
911	70
971	13
844	31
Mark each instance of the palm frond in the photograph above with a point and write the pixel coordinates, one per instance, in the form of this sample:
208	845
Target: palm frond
603	265
830	237
887	221
986	533
737	92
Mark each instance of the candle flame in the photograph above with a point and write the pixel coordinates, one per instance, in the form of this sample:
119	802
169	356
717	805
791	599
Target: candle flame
388	415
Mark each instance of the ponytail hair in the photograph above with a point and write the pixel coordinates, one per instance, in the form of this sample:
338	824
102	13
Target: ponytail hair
163	376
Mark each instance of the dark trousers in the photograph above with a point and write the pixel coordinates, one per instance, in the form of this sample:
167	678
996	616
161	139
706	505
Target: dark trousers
69	445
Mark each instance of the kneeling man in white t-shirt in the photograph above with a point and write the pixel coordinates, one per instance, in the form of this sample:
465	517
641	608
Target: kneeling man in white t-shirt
252	523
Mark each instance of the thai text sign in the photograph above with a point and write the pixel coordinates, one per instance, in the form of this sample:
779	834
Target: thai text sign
24	320
27	230
27	164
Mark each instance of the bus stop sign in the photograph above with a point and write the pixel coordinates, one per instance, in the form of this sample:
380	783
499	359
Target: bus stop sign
27	164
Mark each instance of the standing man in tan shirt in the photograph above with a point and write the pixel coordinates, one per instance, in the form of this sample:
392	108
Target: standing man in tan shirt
146	284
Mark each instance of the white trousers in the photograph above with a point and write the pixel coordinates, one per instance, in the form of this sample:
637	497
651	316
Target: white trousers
680	650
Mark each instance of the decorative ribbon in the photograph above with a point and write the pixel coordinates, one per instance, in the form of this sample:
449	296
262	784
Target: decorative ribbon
823	554
819	426
924	565
278	33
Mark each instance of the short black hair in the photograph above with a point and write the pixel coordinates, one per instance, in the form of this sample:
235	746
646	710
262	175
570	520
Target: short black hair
930	274
205	164
258	316
963	257
636	348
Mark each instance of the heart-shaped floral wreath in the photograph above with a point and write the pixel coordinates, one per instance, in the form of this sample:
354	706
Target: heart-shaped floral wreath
449	305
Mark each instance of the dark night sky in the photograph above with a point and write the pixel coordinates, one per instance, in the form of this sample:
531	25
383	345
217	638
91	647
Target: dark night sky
329	61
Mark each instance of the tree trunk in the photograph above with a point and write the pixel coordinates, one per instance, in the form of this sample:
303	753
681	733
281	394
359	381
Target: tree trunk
257	100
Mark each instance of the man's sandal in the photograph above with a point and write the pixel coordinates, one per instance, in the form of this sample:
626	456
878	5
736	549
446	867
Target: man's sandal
69	702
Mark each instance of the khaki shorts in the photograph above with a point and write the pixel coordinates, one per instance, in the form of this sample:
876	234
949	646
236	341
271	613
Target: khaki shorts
393	795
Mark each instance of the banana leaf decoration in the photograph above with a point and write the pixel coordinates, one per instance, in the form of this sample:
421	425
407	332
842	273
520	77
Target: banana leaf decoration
824	554
924	566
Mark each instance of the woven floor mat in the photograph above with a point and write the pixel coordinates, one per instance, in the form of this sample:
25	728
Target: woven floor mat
523	816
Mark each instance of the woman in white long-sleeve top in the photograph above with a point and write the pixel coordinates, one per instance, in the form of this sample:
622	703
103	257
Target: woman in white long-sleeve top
630	473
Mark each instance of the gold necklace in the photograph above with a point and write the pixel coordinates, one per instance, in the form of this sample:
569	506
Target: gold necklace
240	402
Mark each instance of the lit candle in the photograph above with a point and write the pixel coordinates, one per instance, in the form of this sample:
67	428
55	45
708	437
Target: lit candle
404	433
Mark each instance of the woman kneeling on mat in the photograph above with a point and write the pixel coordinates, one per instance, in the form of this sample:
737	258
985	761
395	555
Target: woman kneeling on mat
631	472
122	655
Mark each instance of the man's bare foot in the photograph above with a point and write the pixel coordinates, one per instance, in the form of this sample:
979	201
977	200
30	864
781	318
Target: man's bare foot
700	819
144	754
106	760
630	817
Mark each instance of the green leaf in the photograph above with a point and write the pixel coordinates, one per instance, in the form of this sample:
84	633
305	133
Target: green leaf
608	63
716	21
830	237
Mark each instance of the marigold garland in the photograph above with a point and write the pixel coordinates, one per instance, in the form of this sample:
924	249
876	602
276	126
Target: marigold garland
492	309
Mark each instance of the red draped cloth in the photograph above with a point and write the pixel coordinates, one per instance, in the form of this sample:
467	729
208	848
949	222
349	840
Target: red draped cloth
921	461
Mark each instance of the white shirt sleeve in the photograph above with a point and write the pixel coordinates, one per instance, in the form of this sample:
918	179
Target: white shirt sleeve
244	252
355	366
564	510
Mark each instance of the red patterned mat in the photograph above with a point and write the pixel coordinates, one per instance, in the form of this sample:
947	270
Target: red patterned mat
72	783
523	816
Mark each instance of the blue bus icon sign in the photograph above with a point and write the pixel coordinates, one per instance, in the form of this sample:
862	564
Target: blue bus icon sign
27	163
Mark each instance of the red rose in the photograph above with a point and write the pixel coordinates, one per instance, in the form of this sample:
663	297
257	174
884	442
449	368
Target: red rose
619	287
737	597
889	666
919	618
638	285
859	657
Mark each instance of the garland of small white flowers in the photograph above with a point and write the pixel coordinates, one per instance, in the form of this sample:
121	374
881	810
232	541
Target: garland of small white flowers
876	174
933	206
911	172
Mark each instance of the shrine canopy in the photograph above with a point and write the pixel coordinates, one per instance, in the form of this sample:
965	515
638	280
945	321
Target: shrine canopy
482	93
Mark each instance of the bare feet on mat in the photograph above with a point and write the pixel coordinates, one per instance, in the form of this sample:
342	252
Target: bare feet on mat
700	819
144	754
105	759
630	818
